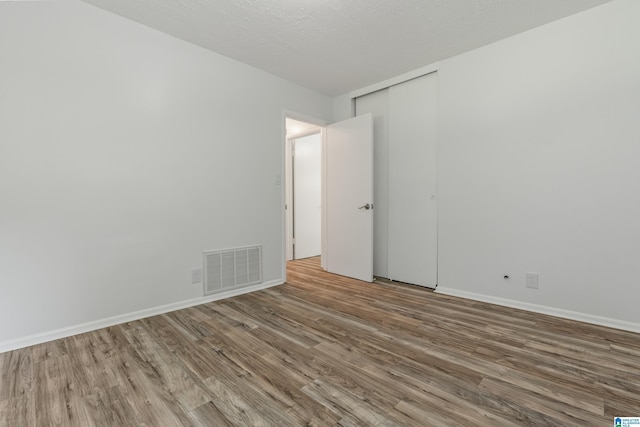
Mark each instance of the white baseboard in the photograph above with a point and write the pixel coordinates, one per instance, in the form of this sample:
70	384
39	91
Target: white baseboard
129	317
552	311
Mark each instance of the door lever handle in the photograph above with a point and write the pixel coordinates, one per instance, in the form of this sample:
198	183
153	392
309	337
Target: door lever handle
366	207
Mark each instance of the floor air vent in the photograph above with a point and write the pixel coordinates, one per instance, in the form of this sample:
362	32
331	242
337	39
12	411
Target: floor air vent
234	268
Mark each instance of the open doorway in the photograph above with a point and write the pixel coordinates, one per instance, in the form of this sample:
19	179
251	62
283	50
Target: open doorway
303	183
346	194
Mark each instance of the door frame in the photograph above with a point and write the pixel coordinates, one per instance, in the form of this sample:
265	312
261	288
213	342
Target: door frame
290	185
284	152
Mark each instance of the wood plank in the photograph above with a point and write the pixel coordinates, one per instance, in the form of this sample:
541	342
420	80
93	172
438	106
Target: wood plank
346	404
110	408
16	373
164	370
209	415
18	412
57	399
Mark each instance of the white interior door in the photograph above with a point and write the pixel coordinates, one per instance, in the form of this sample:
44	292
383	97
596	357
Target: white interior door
307	196
413	236
349	198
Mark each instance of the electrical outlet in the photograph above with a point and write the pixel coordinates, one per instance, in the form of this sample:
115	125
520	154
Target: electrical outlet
532	280
196	275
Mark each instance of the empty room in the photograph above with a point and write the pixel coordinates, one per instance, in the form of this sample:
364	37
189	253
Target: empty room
319	212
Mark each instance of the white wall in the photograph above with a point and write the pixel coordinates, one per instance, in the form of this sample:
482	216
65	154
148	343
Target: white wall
343	107
539	146
538	168
124	153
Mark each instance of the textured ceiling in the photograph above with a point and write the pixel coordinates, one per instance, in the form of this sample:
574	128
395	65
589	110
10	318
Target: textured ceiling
335	46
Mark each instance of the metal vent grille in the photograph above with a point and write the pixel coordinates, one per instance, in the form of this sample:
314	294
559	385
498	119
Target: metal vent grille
232	268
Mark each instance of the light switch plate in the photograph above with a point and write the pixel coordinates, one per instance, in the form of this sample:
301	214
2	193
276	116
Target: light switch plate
196	275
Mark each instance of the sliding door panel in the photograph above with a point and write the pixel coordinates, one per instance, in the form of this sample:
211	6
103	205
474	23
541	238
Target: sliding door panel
412	216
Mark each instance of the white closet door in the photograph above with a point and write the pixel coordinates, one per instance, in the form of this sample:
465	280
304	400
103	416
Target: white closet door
412	243
377	103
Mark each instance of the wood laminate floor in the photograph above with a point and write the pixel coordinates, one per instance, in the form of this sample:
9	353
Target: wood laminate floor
326	350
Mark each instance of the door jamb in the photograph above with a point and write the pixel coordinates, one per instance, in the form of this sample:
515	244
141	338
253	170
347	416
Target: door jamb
288	114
